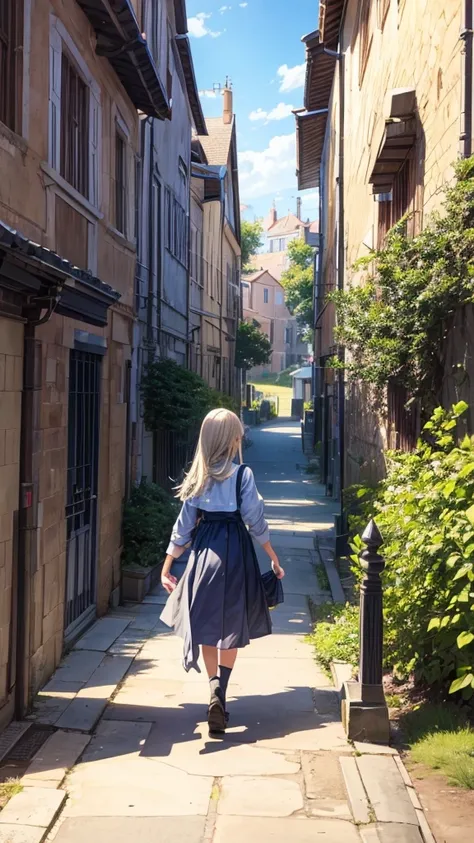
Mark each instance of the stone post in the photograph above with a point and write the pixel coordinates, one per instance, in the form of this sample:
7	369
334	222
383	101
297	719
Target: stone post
365	712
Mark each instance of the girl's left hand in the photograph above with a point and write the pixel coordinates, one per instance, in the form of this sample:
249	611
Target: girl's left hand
169	582
278	570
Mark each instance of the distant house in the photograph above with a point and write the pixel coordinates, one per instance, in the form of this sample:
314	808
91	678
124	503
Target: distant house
264	304
278	234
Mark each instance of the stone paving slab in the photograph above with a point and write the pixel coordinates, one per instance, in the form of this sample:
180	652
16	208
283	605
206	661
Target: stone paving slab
251	796
78	666
125	829
324	785
391	833
386	790
136	787
54	759
34	806
102	635
84	711
355	789
298	830
129	643
21	834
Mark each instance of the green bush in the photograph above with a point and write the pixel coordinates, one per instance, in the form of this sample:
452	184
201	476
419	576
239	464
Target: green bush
336	635
176	399
148	519
425	512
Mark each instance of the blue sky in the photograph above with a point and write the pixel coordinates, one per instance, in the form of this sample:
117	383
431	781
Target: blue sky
257	44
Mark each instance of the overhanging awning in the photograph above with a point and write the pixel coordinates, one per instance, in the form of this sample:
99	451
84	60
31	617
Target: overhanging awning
184	49
397	143
310	135
319	73
330	18
27	267
120	41
213	178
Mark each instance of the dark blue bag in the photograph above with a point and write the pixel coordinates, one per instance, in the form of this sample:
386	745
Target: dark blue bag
273	589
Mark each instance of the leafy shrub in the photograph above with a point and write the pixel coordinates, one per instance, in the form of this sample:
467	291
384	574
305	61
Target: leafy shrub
336	636
148	519
176	399
425	511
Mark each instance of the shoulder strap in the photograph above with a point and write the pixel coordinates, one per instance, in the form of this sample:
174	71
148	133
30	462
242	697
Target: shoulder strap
238	487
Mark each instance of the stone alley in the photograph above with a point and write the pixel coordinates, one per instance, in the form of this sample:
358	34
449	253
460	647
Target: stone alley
129	755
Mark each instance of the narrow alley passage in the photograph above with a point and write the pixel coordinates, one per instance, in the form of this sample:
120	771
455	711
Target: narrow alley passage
132	732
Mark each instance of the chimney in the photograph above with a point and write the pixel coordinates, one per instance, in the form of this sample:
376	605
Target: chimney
298	207
228	110
272	218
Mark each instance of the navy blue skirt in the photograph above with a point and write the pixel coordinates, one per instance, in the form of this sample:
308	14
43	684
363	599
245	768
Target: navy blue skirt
220	600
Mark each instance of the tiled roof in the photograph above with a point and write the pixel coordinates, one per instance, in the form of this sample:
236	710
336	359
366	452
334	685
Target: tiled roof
217	143
286	225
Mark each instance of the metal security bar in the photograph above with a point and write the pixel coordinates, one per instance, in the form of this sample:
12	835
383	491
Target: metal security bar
82	476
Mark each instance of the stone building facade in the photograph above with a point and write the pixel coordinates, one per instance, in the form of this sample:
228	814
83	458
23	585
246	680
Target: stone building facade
387	111
69	131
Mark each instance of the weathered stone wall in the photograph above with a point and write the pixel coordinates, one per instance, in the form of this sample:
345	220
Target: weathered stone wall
11	380
418	46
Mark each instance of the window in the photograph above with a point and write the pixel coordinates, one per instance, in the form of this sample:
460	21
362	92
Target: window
392	209
74	116
176	222
196	256
365	35
278	298
288	336
282	244
74	127
265	295
11	19
271	245
272	331
120	182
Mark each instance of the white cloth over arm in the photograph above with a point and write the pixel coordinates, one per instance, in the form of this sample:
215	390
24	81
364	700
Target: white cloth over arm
252	508
183	528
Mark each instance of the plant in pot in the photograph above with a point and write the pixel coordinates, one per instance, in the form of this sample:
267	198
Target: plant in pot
148	519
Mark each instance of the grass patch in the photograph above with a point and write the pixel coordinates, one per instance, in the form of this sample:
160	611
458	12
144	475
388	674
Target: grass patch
284	394
441	739
335	636
8	789
322	577
452	753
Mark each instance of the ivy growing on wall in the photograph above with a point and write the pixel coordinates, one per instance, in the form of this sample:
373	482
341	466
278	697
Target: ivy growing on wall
395	321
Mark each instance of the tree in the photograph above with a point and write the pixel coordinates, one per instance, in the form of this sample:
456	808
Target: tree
298	282
251	239
253	348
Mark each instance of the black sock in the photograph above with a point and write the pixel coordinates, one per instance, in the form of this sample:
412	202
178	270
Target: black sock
224	677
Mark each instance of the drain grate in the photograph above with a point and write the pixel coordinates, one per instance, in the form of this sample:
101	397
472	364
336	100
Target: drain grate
29	744
11	735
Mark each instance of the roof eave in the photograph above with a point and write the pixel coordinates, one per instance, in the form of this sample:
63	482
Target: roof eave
120	41
185	54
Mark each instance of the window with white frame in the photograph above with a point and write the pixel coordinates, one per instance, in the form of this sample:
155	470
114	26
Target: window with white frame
176	222
74	115
11	65
265	295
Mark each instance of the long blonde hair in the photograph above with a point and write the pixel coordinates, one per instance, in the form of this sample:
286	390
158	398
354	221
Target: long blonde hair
219	440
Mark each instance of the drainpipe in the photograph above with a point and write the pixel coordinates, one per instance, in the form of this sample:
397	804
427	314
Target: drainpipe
340	272
151	292
28	504
466	77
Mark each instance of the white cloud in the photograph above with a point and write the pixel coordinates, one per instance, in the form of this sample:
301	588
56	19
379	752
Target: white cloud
280	112
260	172
291	77
243	5
310	199
197	26
225	9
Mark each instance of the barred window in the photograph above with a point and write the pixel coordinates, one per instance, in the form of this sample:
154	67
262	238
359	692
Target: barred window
11	19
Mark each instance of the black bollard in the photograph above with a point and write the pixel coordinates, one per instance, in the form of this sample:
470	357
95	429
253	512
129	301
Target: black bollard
364	709
371	617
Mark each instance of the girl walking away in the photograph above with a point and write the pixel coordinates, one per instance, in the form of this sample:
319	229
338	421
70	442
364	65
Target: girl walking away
219	603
